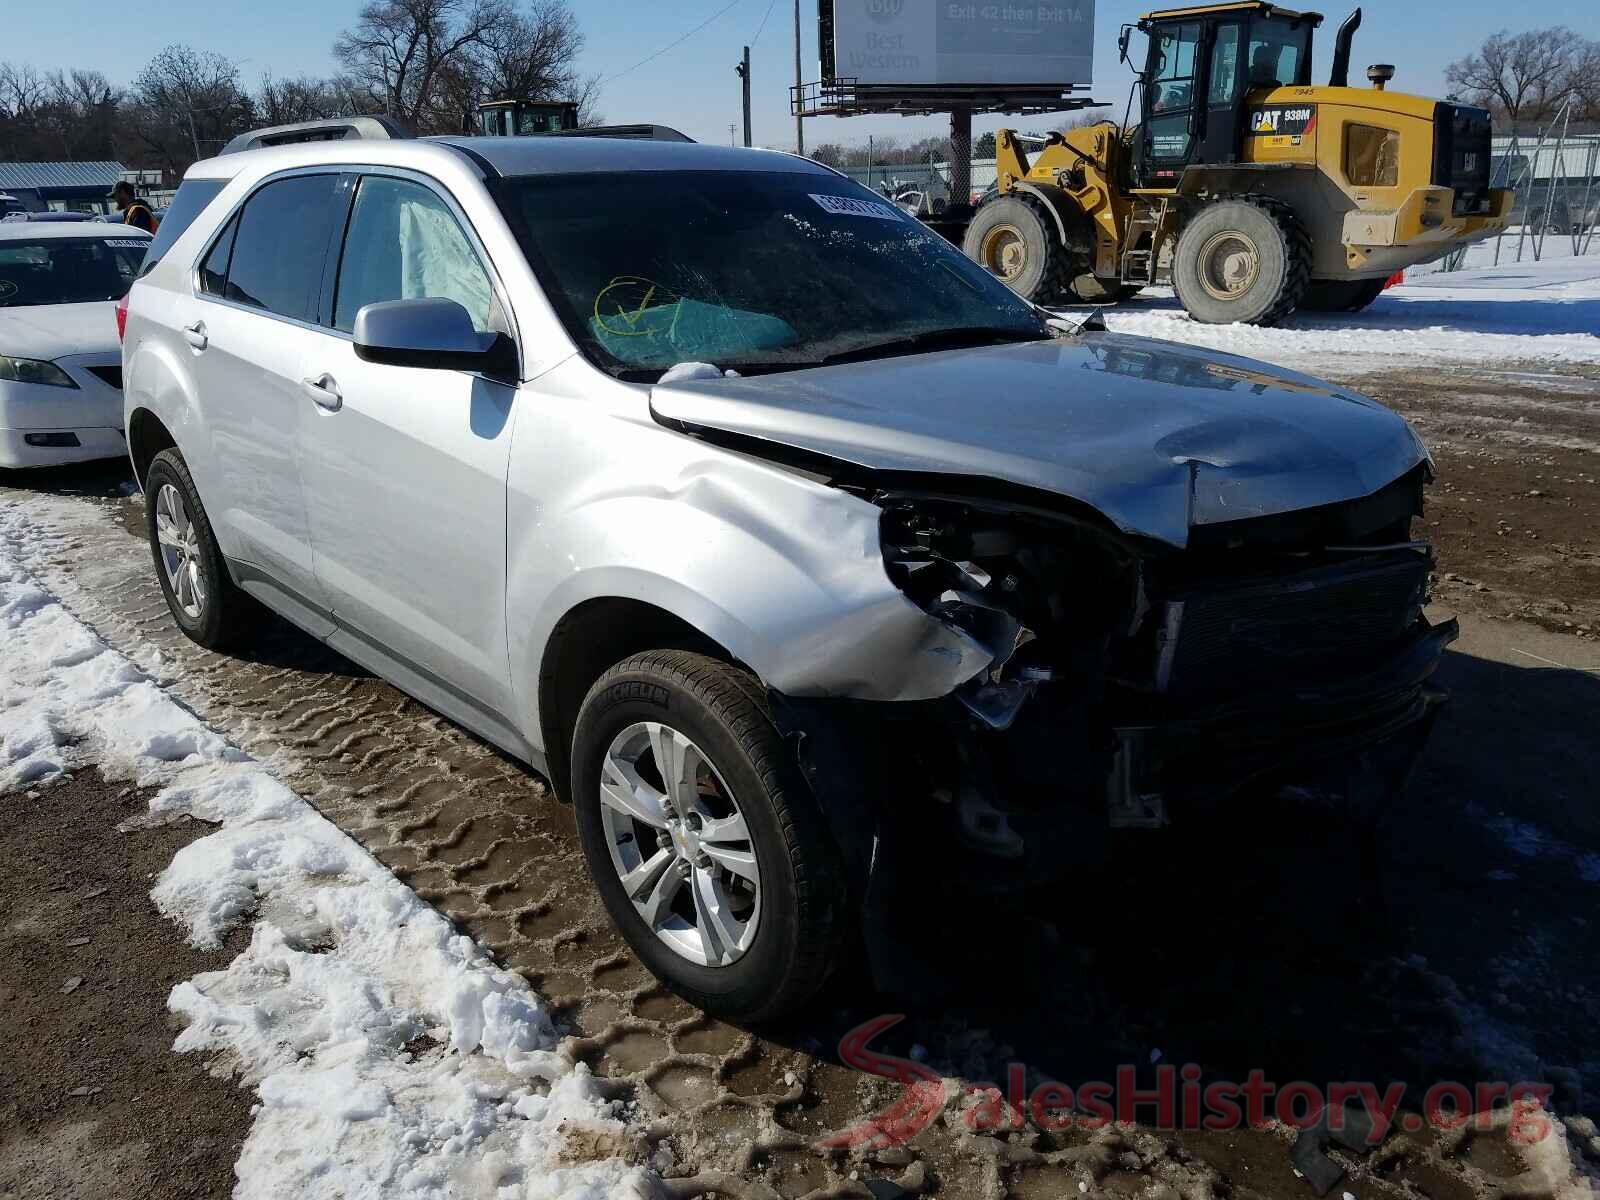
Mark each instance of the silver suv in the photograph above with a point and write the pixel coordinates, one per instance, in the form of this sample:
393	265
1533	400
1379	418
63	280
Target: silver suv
810	564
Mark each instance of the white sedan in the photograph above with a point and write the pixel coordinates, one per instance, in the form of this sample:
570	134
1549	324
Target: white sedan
60	358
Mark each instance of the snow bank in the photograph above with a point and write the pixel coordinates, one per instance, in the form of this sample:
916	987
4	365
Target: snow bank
391	1056
1546	312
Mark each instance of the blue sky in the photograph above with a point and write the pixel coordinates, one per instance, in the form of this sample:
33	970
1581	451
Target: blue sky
693	86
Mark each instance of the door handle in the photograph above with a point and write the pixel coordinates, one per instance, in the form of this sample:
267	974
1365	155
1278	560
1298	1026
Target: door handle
195	335
324	390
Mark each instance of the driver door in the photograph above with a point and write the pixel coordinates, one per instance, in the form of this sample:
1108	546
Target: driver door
1171	104
405	467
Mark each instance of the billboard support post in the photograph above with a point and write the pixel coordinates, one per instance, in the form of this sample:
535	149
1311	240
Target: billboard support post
960	155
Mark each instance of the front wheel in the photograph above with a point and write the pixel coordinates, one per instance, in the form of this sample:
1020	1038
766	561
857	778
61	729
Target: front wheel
1013	238
702	837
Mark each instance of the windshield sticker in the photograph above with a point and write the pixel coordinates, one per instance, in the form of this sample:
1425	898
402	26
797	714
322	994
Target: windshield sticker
848	206
128	243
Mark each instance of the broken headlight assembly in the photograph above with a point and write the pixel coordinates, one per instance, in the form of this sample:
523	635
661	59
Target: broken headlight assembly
1043	596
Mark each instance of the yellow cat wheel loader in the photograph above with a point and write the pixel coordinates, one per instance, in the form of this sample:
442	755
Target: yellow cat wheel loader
1249	189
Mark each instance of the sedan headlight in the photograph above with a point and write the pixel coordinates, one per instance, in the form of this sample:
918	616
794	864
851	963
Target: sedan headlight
32	370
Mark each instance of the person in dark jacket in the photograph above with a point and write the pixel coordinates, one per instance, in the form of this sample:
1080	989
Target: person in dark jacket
134	211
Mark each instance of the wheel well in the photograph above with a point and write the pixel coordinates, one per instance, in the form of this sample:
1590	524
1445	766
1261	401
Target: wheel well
586	642
147	437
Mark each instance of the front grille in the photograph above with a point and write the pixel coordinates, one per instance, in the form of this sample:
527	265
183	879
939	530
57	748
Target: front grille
111	375
1462	148
1223	637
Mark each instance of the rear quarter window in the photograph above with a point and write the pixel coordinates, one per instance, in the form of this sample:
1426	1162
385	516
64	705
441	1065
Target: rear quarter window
190	201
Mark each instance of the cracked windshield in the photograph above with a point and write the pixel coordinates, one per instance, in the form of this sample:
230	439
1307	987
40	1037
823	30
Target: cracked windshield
750	272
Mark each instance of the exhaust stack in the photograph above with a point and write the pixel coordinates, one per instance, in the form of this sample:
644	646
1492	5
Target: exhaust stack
1341	50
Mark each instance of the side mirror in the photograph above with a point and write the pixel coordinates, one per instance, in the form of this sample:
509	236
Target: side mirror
433	333
1122	42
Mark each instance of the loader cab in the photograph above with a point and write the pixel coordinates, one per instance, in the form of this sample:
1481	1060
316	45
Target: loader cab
524	118
1201	63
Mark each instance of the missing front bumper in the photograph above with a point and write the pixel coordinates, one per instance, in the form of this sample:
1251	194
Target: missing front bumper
1214	753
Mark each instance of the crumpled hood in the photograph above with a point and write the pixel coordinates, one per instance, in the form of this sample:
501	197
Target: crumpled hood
1155	436
51	331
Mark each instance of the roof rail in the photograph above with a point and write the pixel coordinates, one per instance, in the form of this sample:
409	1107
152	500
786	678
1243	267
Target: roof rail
647	133
333	130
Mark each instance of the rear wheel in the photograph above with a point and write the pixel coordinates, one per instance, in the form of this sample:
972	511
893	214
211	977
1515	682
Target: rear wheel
704	841
204	600
1245	260
1344	295
1014	239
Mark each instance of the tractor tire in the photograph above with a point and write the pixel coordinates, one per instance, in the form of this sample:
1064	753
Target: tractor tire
1244	260
1014	239
1342	296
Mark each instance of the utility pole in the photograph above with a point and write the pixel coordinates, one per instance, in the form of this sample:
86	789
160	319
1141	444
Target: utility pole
732	133
743	71
799	83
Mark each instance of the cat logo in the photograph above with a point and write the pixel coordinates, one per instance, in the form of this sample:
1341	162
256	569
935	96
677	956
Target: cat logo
1283	121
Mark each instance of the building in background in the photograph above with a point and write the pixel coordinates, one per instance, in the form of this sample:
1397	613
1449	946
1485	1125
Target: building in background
61	186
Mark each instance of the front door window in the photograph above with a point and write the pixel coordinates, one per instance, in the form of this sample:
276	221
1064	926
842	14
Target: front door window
1170	130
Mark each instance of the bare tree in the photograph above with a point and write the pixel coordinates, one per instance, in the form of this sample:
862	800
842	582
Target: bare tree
187	104
1583	80
82	113
22	90
530	54
56	114
1521	77
399	49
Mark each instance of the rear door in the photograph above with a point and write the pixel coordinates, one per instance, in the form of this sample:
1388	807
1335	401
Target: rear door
405	468
260	286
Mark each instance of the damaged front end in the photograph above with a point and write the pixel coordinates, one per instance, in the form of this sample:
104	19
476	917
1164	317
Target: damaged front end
1133	682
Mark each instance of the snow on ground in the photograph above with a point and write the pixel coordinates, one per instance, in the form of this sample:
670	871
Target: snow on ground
345	965
1533	312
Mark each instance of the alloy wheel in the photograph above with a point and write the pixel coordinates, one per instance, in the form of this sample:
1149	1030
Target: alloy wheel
680	844
179	542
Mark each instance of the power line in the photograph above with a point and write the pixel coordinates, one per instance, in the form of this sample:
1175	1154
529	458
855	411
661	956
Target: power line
673	45
771	4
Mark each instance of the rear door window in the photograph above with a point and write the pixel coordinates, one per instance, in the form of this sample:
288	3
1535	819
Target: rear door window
214	270
281	246
190	201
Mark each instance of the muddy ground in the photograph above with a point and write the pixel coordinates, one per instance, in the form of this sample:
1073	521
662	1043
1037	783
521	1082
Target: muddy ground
1515	512
93	1102
1256	940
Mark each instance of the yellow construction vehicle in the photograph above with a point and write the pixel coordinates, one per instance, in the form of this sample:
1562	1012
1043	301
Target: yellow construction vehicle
1251	190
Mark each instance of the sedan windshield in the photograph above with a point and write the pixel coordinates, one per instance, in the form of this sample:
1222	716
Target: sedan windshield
67	270
751	271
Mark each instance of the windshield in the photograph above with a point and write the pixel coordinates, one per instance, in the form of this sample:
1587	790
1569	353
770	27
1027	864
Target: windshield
68	270
748	271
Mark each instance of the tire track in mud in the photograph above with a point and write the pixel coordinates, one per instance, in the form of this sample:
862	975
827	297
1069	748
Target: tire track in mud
724	1111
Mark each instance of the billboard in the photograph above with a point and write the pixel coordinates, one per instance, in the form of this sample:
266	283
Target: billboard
955	43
